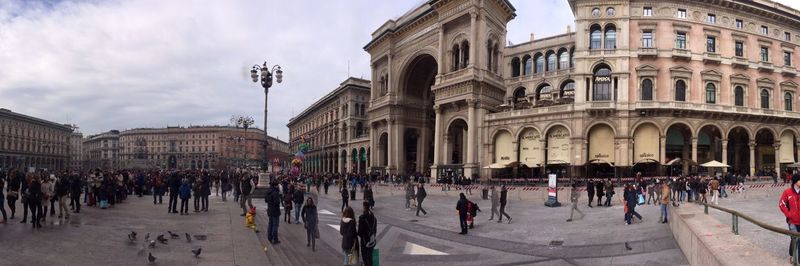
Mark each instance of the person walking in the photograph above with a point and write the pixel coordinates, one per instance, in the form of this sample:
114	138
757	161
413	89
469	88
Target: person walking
789	204
368	197
247	186
503	202
665	200
421	194
61	193
298	202
12	191
47	194
409	188
702	188
185	193
347	228
345	196
590	191
174	187
609	189
226	187
367	233
287	204
461	207
2	197
158	189
35	201
599	192
25	199
631	200
713	187
273	199
75	185
326	184
574	195
495	197
651	187
311	221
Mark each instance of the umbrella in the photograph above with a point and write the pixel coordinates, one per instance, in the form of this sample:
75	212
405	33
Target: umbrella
715	164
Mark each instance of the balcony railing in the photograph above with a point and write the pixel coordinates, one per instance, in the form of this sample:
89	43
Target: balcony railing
647	51
709	57
765	66
788	71
710	107
681	53
737	61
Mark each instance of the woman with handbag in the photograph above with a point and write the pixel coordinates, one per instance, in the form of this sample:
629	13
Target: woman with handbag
310	220
347	228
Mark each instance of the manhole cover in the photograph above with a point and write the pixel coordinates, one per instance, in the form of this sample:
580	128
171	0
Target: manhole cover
413	221
556	243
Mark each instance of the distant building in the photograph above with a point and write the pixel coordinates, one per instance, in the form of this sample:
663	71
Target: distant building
102	151
27	141
198	147
75	149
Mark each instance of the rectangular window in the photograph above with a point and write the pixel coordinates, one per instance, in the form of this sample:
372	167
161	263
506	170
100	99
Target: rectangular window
787	58
647	11
787	36
739	49
681	13
711	44
647	39
712	18
680	40
764	54
739	24
764	30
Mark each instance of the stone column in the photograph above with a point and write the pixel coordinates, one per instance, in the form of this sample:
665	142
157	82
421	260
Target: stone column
725	154
663	150
437	136
752	146
400	141
694	149
473	43
392	149
442	62
777	147
471	143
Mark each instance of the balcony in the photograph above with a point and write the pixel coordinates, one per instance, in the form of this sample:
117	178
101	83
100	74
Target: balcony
789	71
648	52
712	58
765	66
740	62
710	107
681	54
604	105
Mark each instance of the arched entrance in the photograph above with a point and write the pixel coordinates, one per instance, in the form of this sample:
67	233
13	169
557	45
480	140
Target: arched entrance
678	149
354	161
601	153
646	150
739	151
788	150
765	153
709	147
362	161
531	152
343	161
455	140
416	149
558	148
383	150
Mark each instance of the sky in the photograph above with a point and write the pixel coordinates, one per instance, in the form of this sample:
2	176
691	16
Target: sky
116	64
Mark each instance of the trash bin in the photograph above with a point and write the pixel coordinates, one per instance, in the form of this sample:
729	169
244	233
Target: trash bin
353	194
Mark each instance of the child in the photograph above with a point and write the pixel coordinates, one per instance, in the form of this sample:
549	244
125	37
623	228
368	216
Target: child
250	219
185	192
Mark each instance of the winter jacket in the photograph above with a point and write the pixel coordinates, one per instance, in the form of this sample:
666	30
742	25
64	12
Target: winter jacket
790	205
345	194
185	191
347	228
590	188
34	192
297	196
367	227
503	196
461	206
574	195
310	217
665	193
273	199
599	189
421	194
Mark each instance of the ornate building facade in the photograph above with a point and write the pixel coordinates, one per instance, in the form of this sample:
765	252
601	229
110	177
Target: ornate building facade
640	86
336	129
102	151
29	142
198	147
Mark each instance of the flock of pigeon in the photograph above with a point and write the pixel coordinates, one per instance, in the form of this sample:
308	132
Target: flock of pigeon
148	243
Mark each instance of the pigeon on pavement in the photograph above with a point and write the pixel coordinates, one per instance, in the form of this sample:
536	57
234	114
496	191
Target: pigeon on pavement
173	235
628	247
161	239
188	238
152	244
147	237
150	258
132	236
197	252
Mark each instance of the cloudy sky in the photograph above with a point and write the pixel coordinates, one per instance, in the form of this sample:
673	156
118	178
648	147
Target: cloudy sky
151	63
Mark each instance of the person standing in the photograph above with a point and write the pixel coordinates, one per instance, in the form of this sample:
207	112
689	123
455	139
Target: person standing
367	233
14	182
297	196
345	196
226	186
35	201
205	191
326	184
2	197
421	194
47	194
26	198
651	187
75	185
590	191
713	187
409	195
368	197
599	191
574	195
311	221
185	192
609	188
702	188
347	228
503	202
247	187
461	207
174	186
789	205
665	199
495	202
273	199
61	193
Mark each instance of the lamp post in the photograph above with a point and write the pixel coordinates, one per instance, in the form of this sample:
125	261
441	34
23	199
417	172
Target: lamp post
266	82
242	122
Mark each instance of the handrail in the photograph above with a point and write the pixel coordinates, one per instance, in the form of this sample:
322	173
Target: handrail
735	226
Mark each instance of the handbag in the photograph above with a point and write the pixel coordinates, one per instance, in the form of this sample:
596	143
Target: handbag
352	256
641	199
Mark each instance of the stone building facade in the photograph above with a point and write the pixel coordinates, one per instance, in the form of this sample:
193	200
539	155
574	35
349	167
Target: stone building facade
102	151
336	129
198	147
639	86
30	142
75	149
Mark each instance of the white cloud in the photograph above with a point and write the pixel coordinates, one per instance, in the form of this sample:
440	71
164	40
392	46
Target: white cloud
147	63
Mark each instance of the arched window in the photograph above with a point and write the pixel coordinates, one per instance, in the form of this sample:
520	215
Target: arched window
595	37
515	67
680	90
738	96
544	93
359	129
519	95
572	57
787	101
465	51
567	90
489	55
765	99
496	52
456	54
647	90
711	93
528	62
539	63
551	61
611	37
602	85
563	60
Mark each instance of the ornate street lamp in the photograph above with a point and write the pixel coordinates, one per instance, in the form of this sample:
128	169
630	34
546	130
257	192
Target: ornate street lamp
266	82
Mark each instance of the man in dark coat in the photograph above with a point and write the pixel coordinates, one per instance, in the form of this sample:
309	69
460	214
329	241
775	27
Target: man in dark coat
205	191
461	207
599	192
297	197
273	199
367	230
590	190
174	185
75	187
345	196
